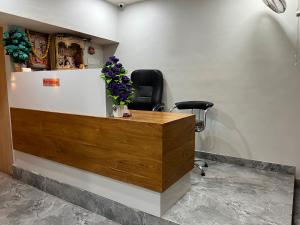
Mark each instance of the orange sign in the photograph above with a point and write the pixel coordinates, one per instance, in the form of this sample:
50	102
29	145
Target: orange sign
52	82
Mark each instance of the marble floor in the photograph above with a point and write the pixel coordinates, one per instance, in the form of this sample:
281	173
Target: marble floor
228	194
236	195
21	204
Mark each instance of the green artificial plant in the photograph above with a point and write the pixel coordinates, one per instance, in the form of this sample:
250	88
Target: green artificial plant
17	45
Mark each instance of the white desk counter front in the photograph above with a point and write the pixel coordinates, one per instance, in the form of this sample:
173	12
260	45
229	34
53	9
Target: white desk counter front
80	92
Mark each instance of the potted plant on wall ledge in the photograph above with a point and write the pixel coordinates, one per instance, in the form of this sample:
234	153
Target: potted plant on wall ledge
118	85
18	46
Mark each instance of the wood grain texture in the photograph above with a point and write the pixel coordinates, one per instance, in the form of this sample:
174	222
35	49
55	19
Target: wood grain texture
134	150
5	131
178	154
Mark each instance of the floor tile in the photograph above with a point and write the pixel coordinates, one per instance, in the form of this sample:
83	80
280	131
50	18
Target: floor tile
21	204
231	194
228	194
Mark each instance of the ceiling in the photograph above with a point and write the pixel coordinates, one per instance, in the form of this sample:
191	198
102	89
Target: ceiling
126	2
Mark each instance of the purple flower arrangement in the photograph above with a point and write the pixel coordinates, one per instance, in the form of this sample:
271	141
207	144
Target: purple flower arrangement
118	85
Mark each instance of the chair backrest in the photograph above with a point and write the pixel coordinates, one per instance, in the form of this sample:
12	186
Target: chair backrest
148	86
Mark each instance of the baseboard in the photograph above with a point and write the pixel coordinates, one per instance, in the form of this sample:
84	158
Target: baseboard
105	207
248	163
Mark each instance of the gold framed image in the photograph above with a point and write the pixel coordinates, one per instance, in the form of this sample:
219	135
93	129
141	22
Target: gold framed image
39	58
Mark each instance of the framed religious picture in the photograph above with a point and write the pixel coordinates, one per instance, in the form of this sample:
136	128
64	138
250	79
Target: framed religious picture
39	58
68	52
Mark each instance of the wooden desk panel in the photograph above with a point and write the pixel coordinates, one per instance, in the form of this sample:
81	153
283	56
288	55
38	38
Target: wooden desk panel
152	150
178	150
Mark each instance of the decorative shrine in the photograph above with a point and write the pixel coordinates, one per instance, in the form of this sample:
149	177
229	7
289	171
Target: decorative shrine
40	51
68	52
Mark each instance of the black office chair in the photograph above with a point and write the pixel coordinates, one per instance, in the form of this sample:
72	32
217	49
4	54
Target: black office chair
148	86
201	106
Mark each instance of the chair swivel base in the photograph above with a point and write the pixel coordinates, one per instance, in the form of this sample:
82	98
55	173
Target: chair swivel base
200	168
201	161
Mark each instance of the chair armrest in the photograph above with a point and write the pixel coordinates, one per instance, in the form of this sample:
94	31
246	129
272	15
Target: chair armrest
159	107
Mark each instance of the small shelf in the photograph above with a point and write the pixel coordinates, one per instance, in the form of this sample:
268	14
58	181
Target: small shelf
9	19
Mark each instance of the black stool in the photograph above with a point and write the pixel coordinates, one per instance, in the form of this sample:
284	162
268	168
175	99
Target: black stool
201	106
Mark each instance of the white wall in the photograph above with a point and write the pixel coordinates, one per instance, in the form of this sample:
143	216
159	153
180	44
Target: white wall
235	53
93	17
96	60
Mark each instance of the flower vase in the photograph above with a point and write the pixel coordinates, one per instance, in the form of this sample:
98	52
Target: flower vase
126	112
118	111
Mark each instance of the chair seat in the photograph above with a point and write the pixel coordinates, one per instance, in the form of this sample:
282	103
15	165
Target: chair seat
203	105
141	104
141	100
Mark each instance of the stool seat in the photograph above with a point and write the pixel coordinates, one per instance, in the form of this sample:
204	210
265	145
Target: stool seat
203	105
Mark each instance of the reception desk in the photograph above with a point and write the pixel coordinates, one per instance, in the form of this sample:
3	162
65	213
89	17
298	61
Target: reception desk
151	149
142	161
